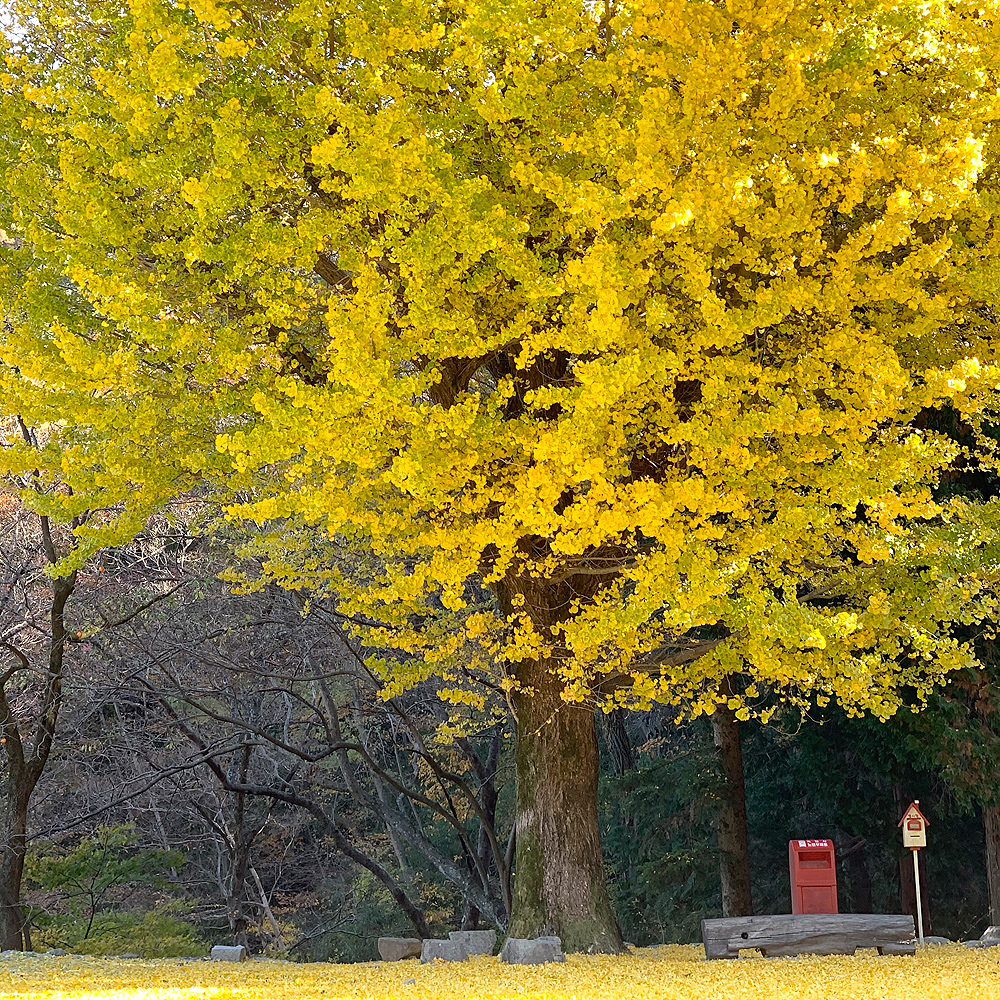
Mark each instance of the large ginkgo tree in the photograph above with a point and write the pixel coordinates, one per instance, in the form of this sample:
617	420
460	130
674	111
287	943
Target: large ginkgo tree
629	314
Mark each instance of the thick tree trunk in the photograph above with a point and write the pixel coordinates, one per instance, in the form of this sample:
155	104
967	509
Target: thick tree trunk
619	746
731	819
559	885
991	821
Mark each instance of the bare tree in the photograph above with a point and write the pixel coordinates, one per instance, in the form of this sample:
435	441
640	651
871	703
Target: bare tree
33	640
36	639
275	705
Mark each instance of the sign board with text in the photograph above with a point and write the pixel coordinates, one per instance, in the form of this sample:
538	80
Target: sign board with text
914	824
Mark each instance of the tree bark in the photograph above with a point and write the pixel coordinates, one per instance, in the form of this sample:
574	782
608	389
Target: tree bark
619	746
14	825
559	884
26	761
991	822
265	904
488	798
731	819
859	877
240	858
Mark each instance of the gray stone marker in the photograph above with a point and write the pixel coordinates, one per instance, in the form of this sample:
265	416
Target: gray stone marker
229	953
936	939
447	951
475	942
528	951
394	949
990	939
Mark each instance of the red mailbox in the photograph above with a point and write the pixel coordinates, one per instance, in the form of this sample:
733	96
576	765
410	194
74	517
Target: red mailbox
813	870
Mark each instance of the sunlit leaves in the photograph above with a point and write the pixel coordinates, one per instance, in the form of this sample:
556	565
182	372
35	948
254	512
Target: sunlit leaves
628	311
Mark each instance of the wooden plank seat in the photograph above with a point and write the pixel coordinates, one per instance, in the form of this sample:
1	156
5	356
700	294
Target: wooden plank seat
809	933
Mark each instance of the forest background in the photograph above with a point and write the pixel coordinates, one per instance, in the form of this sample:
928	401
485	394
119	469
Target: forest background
172	682
471	465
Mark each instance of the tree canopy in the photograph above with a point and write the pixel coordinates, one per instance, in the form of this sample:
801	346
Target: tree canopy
628	312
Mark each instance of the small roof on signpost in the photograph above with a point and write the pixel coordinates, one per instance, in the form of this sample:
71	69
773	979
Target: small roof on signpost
913	812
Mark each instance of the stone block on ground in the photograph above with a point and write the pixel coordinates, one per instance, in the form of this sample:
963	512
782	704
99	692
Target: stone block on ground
936	939
229	953
394	949
475	942
991	934
532	951
447	951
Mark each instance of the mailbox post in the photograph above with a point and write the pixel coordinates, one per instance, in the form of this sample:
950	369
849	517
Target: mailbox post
914	824
812	868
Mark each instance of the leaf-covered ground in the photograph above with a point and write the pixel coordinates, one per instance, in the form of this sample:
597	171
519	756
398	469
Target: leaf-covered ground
670	973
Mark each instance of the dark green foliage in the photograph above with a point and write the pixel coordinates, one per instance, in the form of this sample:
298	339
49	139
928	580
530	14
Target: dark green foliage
851	779
959	736
357	918
162	932
94	891
658	838
822	776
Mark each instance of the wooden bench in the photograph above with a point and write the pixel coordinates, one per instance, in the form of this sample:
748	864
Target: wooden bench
809	933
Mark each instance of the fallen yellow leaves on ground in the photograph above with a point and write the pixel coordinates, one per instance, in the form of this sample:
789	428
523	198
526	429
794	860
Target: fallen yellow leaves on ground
671	972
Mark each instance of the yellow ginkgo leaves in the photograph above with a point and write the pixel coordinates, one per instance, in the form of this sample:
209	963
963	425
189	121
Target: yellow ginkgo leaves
672	972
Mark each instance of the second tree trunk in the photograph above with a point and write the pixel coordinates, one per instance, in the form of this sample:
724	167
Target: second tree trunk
731	819
991	821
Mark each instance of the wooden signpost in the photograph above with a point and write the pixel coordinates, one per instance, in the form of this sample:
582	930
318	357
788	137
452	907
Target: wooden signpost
914	824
